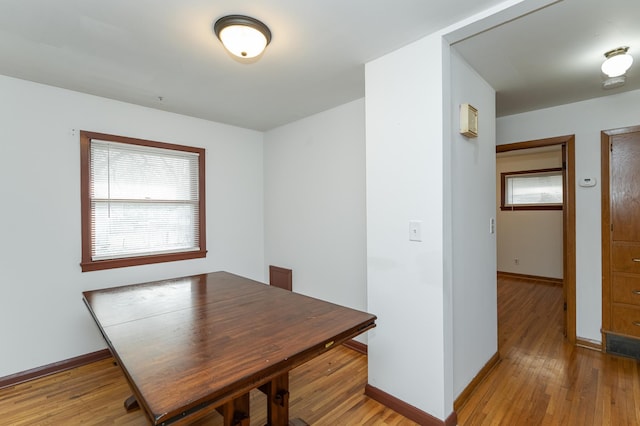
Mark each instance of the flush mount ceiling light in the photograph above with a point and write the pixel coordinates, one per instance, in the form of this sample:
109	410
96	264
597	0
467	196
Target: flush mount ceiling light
242	36
618	62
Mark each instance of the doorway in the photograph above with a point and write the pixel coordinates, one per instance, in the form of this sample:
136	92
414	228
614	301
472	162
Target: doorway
567	144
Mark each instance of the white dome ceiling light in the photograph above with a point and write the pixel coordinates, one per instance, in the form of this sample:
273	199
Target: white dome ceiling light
617	63
242	36
615	67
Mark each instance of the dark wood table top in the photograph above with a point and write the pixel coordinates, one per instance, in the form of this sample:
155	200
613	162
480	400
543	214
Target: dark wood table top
192	343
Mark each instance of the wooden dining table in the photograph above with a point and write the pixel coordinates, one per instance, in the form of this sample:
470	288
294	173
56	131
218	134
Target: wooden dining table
195	344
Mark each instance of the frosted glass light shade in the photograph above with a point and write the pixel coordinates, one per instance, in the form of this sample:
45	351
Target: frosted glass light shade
617	64
244	42
242	36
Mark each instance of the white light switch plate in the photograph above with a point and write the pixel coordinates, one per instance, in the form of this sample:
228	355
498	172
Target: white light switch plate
415	230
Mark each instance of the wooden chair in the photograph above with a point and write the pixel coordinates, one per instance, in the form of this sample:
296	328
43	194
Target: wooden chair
281	277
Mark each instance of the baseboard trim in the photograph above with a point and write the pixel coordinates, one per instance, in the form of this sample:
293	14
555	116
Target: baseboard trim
482	374
536	278
356	346
589	344
408	410
56	367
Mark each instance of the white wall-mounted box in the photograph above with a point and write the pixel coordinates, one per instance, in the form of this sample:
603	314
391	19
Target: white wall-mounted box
468	121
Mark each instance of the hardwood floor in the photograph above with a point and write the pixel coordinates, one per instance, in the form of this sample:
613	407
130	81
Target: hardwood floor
328	390
541	380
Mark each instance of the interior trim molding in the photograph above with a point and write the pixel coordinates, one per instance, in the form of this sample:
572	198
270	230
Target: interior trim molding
558	140
589	344
356	346
536	278
482	374
56	367
407	410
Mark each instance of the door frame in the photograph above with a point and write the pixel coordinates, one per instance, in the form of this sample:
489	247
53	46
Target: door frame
568	221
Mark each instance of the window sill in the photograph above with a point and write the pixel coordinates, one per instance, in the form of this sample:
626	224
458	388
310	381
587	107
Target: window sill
99	265
521	208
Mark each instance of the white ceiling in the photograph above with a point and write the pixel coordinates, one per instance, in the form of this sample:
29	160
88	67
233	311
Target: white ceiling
163	54
553	56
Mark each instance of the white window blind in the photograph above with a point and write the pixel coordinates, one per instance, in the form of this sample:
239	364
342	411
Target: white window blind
144	200
534	189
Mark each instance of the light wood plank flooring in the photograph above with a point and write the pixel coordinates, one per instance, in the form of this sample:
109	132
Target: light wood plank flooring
325	391
541	380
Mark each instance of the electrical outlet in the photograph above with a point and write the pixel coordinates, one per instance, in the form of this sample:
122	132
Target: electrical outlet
516	261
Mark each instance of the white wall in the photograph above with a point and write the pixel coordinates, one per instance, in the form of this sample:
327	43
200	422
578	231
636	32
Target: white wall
473	165
404	152
314	186
585	120
534	237
42	317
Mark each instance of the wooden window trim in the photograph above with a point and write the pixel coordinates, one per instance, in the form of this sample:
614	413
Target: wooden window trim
503	179
87	264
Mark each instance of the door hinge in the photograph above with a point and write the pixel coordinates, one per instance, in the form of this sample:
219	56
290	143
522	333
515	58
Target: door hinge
564	306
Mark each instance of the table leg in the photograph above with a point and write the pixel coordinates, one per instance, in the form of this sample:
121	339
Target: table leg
236	412
277	391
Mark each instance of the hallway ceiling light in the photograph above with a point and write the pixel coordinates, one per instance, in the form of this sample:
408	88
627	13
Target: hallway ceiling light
242	36
617	63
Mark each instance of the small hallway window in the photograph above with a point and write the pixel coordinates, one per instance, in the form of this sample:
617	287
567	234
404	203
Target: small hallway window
532	190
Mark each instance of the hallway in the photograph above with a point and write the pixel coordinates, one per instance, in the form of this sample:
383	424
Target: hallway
543	380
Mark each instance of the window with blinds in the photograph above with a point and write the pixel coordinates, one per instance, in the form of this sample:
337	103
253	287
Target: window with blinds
532	190
143	201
